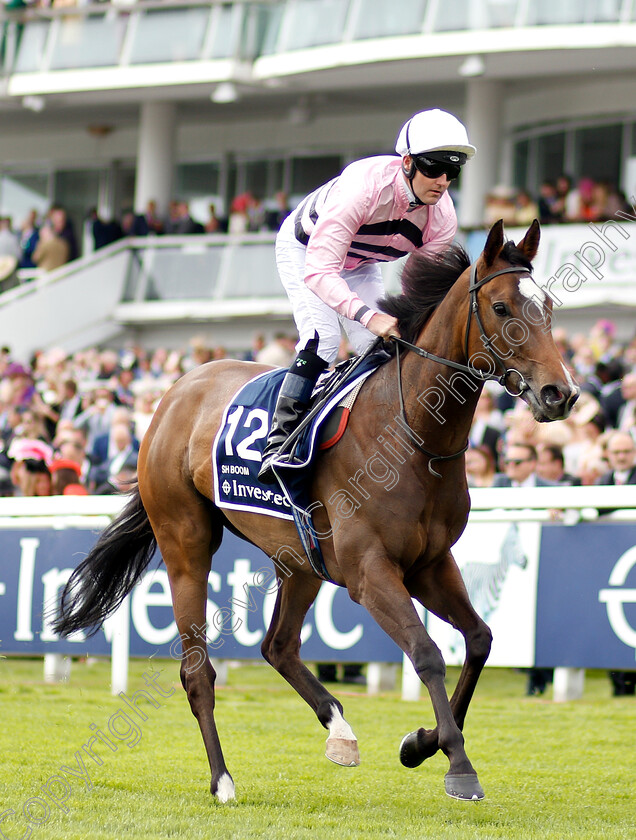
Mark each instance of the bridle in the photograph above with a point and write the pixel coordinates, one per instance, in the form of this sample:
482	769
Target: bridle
473	309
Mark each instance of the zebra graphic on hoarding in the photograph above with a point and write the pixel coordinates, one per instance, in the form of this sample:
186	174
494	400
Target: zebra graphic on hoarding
484	581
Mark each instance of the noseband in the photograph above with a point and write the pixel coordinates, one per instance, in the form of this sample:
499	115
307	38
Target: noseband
473	309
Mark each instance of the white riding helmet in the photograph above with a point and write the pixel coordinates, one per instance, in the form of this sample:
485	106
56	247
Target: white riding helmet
431	131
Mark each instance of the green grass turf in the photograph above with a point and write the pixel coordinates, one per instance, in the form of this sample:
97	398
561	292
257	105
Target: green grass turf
555	771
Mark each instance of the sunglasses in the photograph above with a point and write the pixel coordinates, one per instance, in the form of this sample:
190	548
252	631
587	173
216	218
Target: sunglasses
433	169
517	461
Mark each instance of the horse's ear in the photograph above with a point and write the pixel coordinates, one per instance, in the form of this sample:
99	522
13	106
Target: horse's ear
530	242
494	243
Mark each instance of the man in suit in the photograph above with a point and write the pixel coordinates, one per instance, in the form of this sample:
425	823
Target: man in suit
621	454
550	465
520	464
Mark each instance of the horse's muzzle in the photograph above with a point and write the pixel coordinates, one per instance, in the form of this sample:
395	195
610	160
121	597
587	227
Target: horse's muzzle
557	403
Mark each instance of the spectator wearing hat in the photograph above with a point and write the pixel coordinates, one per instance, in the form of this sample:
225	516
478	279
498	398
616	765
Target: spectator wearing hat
65	473
29	469
22	388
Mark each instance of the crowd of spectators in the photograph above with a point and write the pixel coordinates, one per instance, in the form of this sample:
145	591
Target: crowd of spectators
558	201
91	398
606	372
50	242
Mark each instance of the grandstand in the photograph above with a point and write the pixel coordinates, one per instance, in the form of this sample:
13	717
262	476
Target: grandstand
110	105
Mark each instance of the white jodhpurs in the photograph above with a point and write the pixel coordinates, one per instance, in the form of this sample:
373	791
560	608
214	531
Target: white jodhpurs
310	313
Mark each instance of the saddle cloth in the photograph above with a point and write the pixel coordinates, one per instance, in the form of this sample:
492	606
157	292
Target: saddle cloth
239	443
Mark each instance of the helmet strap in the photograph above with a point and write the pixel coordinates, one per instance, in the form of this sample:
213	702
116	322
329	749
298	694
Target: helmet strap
409	173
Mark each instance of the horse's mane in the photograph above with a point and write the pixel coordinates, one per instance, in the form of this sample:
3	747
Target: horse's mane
426	280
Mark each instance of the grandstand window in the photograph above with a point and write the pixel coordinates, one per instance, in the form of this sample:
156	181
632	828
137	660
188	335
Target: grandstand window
310	172
520	163
598	152
20	193
197	179
377	18
77	190
550	156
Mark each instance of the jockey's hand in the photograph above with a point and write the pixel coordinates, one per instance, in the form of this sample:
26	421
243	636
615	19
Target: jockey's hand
383	325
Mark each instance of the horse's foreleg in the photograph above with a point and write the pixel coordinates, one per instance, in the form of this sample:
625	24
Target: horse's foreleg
382	592
281	648
442	591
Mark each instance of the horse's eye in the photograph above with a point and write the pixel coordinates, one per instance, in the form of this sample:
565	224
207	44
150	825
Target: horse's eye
500	308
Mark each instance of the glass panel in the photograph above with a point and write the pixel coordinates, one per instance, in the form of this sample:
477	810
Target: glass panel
452	17
31	50
378	18
166	269
171	35
21	193
226	32
309	173
253	272
573	11
598	152
315	22
501	13
272	25
550	156
87	42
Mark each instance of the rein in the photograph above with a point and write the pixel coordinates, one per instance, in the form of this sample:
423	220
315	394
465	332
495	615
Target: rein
473	308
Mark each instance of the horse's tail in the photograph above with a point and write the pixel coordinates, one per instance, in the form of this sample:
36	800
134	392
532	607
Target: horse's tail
108	573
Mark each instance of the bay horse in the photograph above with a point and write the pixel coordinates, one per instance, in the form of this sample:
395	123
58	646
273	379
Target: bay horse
471	323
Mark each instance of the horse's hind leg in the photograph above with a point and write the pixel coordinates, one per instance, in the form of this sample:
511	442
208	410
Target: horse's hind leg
281	648
443	592
188	534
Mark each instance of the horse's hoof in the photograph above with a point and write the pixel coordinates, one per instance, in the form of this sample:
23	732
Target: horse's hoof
417	746
224	790
409	754
464	786
343	751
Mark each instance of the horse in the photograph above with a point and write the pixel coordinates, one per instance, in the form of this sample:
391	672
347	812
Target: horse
385	542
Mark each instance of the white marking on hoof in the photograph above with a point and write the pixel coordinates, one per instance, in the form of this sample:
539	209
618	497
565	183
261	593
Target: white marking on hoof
225	788
342	744
338	726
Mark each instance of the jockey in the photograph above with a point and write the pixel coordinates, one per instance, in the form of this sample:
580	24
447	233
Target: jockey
329	249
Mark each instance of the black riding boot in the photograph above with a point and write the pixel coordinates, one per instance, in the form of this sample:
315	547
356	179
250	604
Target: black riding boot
293	399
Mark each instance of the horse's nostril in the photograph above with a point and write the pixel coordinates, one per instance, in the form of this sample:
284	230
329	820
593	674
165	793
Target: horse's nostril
575	395
551	396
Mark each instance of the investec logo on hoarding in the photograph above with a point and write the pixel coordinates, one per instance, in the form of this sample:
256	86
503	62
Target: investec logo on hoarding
616	598
30	587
